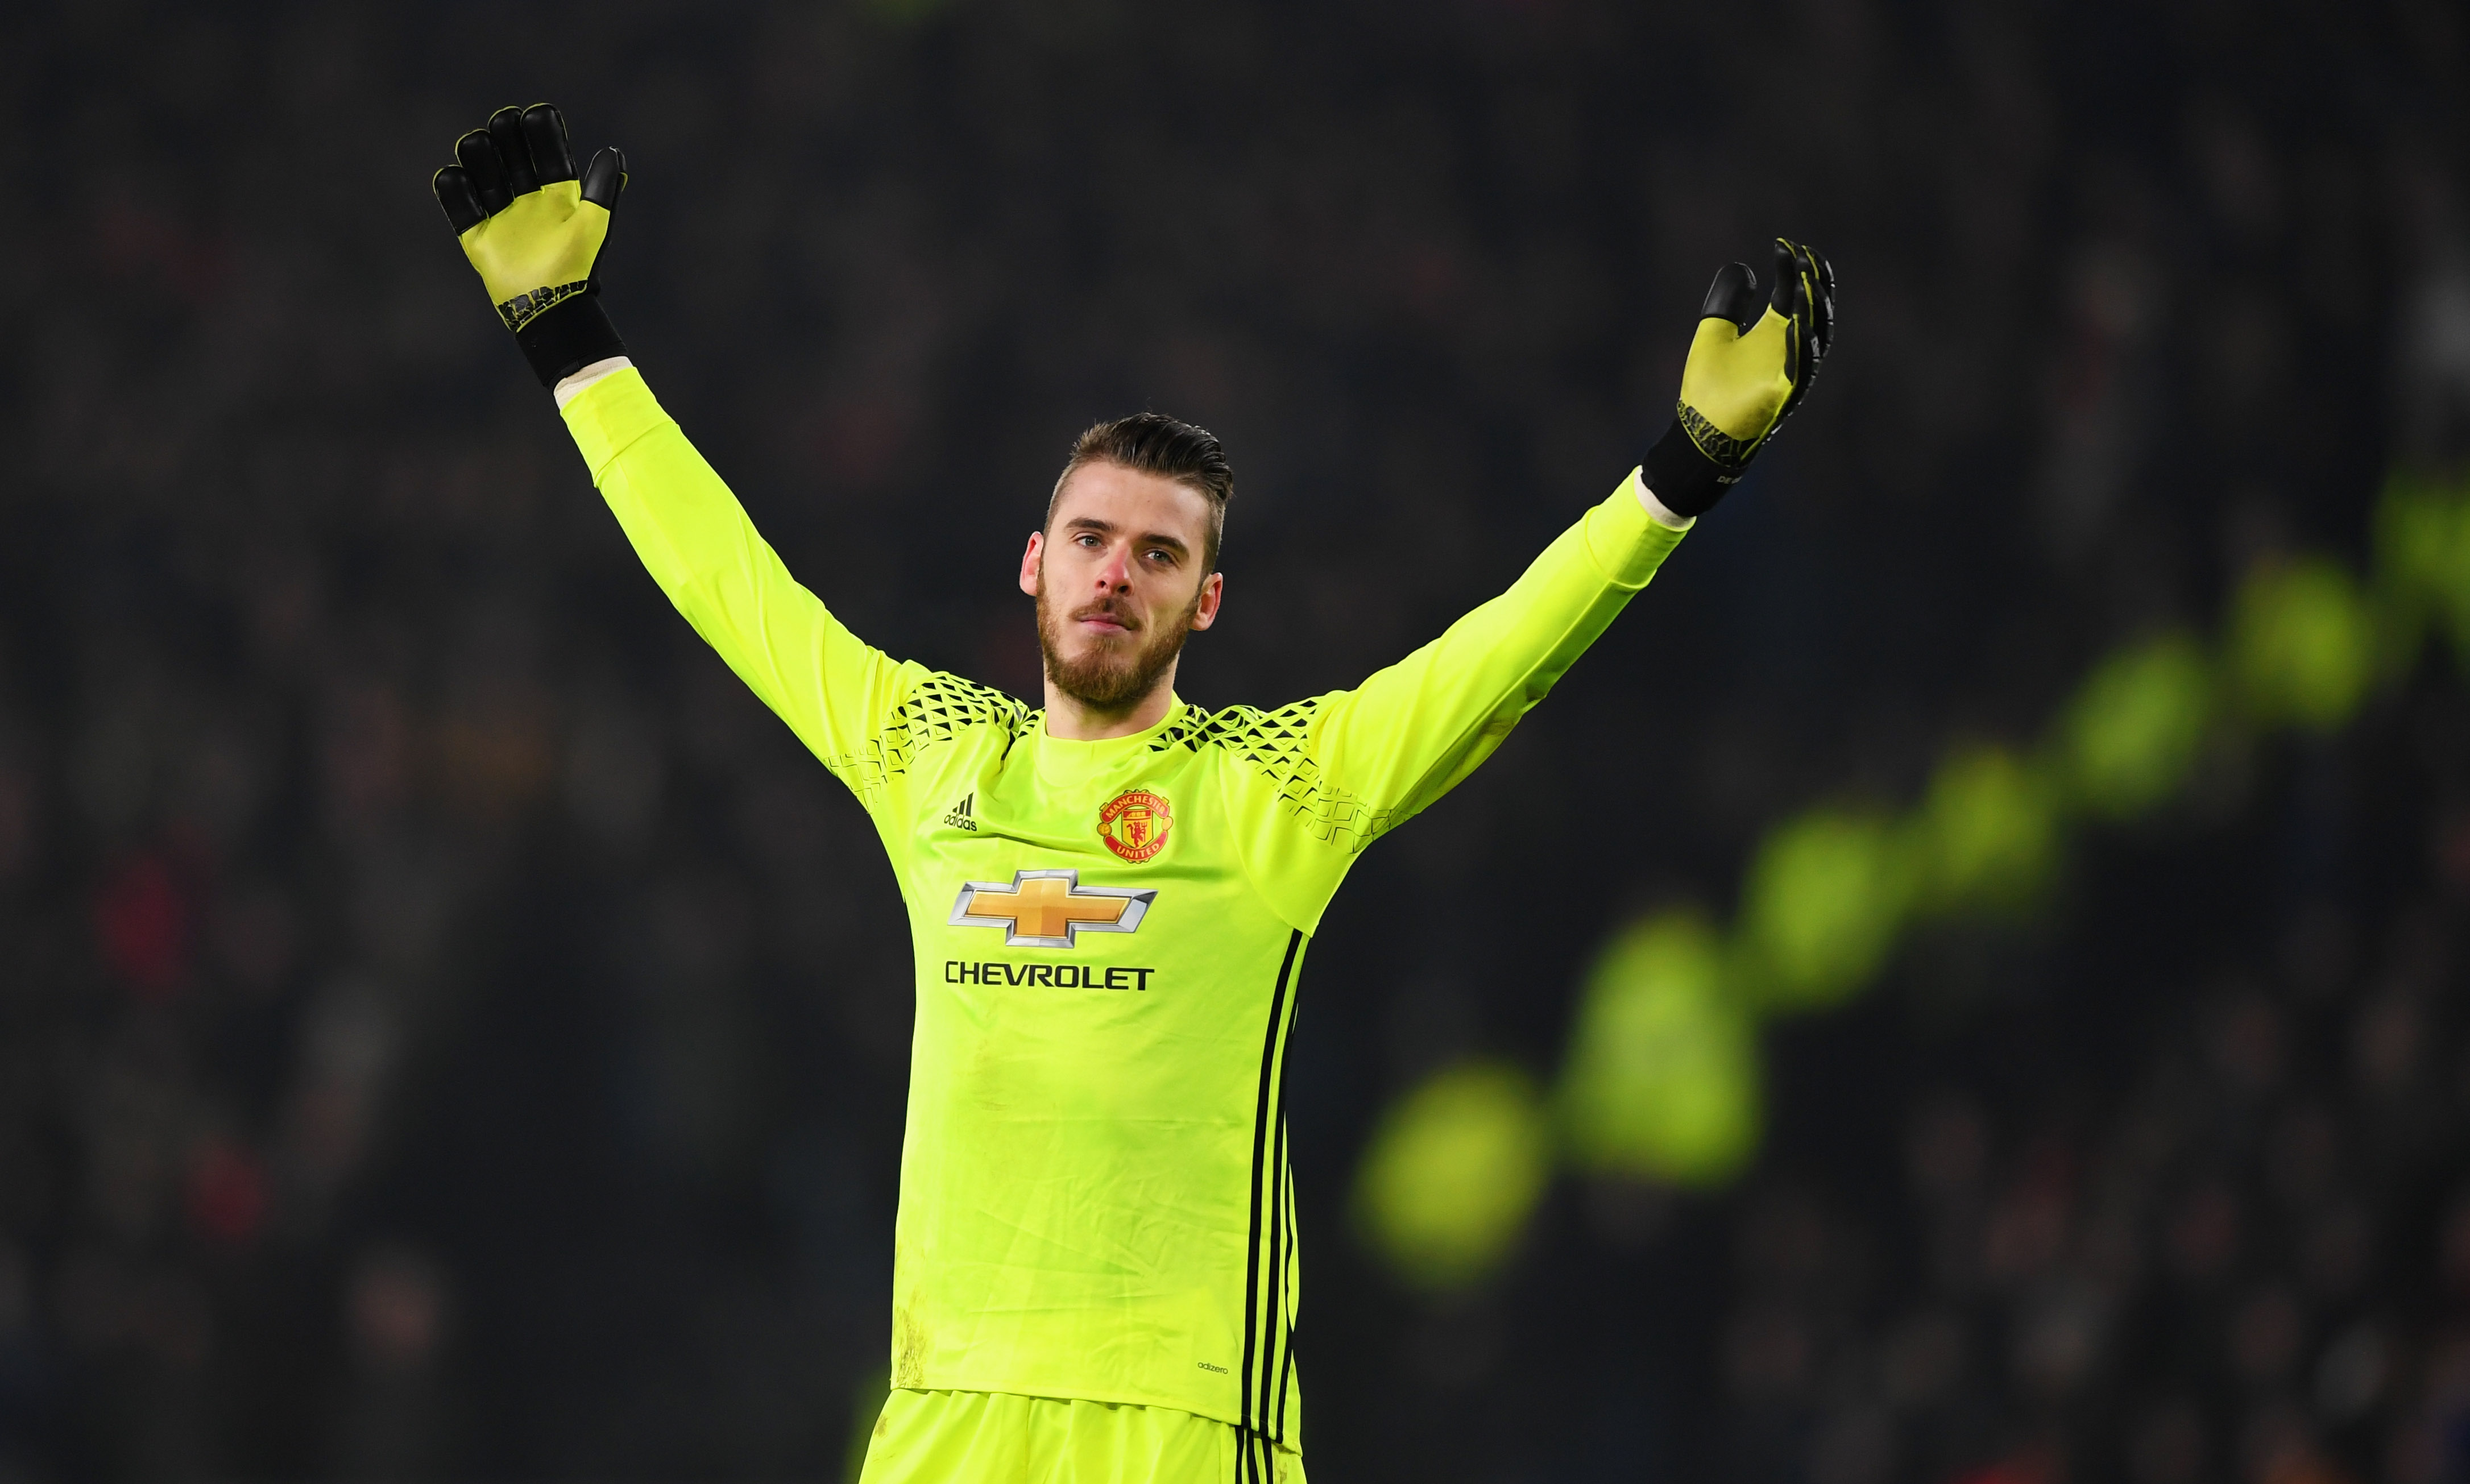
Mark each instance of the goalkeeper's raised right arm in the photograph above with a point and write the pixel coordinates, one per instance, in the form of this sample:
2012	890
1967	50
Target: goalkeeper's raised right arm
695	539
534	230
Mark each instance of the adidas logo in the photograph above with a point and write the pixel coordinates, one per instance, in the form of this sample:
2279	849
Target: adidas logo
958	817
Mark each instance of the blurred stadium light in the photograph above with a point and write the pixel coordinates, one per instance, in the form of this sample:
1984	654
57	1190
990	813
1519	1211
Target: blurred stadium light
1453	1172
2422	540
1662	1078
2136	727
2301	646
1986	835
1826	897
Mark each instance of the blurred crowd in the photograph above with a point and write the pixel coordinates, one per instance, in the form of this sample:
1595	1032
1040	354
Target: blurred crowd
447	1029
2200	1212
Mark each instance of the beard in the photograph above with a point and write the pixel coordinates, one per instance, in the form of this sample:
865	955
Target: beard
1117	671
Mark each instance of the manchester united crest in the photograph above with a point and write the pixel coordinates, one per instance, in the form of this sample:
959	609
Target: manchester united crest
1134	823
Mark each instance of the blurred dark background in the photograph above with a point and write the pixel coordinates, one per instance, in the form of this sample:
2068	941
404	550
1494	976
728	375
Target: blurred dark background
448	1030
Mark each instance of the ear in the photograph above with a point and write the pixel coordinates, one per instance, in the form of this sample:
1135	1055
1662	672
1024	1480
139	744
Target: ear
1030	563
1213	587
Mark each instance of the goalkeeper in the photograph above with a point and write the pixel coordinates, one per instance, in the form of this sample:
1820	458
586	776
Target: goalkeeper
1095	1271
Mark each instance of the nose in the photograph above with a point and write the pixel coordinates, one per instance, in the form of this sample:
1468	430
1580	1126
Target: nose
1115	572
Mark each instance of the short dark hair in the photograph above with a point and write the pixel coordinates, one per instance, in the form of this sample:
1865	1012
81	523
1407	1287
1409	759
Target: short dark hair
1153	442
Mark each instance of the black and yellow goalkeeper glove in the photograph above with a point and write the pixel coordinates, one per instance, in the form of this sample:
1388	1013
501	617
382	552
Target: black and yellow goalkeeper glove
1749	366
534	231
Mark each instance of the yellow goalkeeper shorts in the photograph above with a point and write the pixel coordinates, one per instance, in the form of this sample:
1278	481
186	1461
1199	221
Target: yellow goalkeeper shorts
992	1437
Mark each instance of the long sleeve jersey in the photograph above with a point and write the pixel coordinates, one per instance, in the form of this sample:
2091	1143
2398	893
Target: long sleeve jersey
1095	1198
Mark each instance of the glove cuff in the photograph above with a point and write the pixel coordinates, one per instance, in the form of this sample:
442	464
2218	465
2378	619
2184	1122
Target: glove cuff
1684	481
569	336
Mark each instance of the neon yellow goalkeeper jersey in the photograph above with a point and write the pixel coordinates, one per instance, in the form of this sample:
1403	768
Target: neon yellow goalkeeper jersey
1095	1200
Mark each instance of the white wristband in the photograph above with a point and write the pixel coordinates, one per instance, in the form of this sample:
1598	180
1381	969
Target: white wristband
570	388
1655	510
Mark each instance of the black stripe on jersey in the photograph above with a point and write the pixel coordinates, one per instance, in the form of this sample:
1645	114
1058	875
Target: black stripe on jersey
1253	1424
1282	1210
1273	1313
1282	1229
1287	1363
1276	1353
1281	1256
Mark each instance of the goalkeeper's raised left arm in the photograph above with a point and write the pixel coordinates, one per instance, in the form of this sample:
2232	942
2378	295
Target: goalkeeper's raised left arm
1392	745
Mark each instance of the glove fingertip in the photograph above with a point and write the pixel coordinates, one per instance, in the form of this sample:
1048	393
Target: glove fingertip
545	134
477	155
604	179
451	185
514	152
1788	280
1732	297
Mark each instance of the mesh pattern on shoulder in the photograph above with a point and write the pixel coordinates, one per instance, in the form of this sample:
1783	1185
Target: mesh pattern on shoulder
1274	744
941	708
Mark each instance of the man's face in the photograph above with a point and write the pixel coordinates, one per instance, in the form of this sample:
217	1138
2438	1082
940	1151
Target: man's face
1118	582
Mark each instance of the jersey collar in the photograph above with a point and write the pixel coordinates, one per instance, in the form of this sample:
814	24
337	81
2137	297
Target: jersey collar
1063	762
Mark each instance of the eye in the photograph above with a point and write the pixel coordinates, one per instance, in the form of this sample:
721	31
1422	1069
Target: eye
1085	541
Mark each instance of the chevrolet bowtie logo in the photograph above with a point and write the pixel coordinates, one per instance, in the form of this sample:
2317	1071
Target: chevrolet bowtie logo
1050	909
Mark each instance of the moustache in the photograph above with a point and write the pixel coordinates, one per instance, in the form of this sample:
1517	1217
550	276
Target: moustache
1107	609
